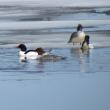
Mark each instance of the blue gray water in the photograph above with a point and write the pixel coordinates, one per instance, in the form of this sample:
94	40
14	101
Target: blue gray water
81	82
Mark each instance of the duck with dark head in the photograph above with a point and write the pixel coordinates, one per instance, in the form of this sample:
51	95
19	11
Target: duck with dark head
78	36
86	43
38	53
28	54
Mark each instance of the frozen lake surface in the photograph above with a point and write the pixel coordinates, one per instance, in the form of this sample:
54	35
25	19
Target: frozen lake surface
81	82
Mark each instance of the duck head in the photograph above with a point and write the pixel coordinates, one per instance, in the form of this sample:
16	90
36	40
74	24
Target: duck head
40	51
22	47
79	27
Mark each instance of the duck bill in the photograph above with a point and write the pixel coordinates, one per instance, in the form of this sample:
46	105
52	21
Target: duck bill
17	46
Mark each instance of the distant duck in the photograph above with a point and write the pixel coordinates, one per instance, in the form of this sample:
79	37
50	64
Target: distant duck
38	53
86	43
77	37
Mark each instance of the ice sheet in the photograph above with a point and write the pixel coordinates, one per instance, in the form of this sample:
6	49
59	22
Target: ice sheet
49	24
59	2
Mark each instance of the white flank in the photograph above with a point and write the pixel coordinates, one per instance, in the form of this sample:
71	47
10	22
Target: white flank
32	55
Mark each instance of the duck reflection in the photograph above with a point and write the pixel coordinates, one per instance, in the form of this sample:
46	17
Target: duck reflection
35	66
83	56
41	63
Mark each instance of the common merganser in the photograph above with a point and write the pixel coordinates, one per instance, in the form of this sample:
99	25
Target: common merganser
39	54
45	56
86	43
77	37
28	54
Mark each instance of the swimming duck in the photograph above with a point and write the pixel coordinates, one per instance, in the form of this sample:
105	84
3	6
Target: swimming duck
39	54
77	37
28	54
45	56
86	43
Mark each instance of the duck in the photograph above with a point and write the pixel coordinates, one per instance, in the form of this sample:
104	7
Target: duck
39	54
28	54
86	43
78	36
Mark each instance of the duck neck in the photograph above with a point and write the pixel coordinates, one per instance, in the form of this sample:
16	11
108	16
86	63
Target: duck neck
86	40
79	28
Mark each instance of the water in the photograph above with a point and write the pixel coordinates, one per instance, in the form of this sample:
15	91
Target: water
77	62
80	82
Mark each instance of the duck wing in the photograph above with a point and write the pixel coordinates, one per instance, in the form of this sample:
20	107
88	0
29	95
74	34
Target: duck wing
51	58
73	35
